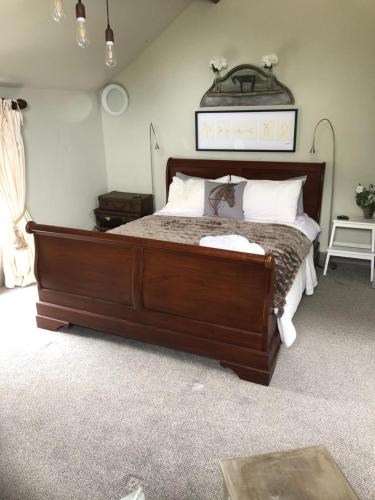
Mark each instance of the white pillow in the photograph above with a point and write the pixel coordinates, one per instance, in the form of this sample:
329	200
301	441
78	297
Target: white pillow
300	207
187	196
272	200
236	179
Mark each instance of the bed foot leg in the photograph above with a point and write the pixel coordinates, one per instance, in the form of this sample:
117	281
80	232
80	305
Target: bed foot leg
250	374
50	323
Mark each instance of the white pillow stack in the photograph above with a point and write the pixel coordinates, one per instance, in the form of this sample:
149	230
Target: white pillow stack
263	200
187	196
274	201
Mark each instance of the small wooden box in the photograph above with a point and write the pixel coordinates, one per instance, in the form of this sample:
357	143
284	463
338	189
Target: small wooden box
127	202
117	208
106	219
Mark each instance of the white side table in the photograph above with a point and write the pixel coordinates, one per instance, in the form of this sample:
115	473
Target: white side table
352	250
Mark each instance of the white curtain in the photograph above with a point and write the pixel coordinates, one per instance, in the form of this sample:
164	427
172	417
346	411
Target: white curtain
17	246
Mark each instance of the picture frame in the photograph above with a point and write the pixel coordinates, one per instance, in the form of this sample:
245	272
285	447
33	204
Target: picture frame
264	130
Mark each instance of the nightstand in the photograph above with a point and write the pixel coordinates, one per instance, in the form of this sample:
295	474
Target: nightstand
352	250
117	208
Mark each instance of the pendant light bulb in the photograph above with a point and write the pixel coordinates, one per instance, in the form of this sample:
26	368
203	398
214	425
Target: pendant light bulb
58	13
110	54
82	38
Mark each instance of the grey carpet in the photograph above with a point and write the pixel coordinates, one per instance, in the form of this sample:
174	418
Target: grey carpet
89	416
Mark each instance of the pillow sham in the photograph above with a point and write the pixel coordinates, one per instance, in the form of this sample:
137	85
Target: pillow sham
224	199
184	177
187	196
236	178
300	207
272	200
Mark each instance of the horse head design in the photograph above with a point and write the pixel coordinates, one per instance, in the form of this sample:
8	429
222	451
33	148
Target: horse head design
224	193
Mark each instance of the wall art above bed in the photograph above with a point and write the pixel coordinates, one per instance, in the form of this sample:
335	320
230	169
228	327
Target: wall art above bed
251	130
247	85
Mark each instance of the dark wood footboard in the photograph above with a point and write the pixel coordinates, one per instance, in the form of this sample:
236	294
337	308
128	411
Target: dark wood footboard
210	302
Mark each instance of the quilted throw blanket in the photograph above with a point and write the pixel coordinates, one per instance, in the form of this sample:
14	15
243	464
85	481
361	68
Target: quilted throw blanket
288	245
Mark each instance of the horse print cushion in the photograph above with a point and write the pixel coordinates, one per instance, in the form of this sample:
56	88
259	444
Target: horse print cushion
224	200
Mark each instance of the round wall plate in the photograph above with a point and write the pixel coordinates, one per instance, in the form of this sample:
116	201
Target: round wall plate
115	99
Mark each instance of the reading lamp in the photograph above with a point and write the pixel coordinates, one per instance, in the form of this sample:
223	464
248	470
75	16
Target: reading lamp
313	151
154	146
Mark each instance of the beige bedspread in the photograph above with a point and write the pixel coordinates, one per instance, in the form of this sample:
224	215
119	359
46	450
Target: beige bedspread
288	245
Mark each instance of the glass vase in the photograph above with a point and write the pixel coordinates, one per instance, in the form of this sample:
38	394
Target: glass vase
270	77
217	87
368	212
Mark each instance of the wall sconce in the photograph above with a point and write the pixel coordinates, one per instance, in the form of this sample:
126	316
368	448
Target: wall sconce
313	151
154	146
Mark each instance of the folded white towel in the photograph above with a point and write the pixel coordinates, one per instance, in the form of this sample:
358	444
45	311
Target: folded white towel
233	242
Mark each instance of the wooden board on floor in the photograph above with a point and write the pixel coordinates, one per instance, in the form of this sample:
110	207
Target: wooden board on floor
308	473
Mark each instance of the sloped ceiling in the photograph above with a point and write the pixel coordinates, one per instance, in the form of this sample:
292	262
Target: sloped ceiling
37	52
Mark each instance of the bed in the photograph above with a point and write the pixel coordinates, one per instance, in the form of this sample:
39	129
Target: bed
207	301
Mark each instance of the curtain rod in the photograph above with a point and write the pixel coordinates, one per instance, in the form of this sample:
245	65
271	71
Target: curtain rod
18	103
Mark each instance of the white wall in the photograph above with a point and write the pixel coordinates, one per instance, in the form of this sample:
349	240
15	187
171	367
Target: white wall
1	271
327	58
64	155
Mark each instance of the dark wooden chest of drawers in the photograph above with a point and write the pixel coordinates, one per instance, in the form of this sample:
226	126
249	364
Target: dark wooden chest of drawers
117	208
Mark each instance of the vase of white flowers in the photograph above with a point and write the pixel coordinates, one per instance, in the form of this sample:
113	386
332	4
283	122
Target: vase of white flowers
365	198
217	64
268	62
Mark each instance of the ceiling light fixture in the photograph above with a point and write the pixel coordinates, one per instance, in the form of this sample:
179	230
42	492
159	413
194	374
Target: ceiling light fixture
82	38
58	13
110	55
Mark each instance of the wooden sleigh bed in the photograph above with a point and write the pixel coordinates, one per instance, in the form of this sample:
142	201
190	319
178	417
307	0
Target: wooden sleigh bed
211	302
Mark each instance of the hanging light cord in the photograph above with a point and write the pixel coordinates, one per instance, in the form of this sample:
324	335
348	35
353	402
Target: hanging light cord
107	15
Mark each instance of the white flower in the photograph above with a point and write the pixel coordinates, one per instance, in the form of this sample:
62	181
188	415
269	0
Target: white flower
218	63
360	189
270	60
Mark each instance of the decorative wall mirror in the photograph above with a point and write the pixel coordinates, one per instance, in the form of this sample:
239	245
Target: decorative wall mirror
247	85
115	99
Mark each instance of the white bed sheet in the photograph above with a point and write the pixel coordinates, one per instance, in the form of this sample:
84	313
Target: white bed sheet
305	280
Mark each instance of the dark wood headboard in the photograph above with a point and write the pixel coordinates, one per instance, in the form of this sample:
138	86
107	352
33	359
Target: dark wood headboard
272	170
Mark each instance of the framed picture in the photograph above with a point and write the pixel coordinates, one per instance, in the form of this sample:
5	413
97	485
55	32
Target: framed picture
272	130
